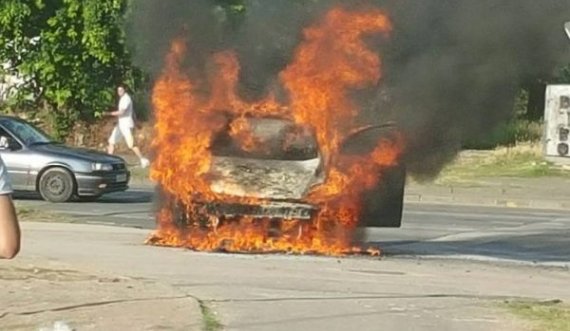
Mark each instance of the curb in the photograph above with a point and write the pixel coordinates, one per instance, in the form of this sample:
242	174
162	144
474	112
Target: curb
516	203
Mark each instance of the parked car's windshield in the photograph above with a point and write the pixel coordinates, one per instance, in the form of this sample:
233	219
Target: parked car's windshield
27	133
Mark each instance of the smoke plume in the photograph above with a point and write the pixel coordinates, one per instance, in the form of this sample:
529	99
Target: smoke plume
452	68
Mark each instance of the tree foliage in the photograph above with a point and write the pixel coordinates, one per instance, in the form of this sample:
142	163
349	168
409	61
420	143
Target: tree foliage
71	54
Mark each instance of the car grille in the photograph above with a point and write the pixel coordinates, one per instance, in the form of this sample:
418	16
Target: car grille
111	177
117	186
119	166
275	210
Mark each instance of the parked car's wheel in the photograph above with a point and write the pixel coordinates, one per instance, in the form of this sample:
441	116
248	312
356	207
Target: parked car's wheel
57	185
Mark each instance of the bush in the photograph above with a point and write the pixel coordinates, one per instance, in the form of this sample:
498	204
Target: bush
508	134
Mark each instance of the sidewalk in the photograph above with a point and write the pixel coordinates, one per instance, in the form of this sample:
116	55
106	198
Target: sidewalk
539	193
40	290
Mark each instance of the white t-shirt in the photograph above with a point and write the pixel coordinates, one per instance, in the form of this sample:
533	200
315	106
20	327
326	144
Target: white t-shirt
126	120
5	187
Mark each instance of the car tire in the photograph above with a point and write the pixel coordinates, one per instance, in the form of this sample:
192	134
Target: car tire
57	185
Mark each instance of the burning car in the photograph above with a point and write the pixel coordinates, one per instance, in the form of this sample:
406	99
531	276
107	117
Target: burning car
298	170
277	165
265	168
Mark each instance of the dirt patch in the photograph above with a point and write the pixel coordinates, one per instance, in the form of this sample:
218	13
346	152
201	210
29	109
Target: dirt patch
40	296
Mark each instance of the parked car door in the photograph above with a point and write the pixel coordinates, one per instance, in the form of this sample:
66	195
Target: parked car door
17	161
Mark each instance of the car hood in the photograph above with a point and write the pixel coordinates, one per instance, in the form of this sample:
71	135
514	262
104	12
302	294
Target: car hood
77	153
264	179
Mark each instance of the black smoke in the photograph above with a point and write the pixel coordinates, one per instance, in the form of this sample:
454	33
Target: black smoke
452	68
455	67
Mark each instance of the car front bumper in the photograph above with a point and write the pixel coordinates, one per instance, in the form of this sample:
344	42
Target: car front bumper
223	211
98	183
267	210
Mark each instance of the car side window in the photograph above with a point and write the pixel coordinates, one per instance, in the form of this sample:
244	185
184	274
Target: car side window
7	142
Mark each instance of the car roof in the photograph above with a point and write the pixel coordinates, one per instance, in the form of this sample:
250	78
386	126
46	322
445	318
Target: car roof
13	118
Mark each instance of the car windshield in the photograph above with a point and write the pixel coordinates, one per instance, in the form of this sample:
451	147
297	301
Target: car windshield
26	133
266	139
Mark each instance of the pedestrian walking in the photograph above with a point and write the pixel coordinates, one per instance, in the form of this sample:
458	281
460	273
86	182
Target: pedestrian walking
125	125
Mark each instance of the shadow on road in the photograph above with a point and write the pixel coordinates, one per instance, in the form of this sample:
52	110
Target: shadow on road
535	248
130	196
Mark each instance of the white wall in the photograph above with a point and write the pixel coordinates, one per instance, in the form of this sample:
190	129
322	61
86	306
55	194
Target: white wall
556	117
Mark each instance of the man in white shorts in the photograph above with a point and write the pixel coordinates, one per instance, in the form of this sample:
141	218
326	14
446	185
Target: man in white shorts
125	125
9	227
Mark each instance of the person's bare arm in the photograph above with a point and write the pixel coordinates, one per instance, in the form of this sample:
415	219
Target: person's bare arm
119	112
9	228
123	106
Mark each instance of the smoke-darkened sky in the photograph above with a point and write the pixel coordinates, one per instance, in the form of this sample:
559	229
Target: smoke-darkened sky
452	67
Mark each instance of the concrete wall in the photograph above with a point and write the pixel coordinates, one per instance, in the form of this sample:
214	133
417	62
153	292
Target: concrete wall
557	121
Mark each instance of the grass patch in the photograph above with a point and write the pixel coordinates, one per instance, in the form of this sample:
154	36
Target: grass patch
25	212
29	214
209	319
133	164
139	174
509	134
544	316
518	161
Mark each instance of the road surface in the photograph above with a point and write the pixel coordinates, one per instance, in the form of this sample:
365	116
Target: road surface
441	231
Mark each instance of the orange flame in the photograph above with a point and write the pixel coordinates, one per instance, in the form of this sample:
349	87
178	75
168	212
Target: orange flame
331	61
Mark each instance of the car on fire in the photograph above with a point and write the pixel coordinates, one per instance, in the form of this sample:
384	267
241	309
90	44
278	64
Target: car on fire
272	178
59	173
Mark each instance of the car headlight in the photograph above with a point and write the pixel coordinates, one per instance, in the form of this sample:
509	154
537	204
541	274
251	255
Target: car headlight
101	167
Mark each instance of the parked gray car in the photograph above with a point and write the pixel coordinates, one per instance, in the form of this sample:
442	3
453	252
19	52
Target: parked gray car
57	172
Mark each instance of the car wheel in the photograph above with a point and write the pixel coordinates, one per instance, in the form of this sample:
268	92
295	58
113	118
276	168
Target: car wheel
57	185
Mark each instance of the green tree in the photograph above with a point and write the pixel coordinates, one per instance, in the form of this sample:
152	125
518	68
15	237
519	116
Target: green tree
71	53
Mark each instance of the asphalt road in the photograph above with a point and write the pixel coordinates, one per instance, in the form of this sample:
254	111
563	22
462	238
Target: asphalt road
279	292
429	231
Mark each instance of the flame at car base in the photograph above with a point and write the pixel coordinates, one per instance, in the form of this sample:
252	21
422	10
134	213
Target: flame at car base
332	60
